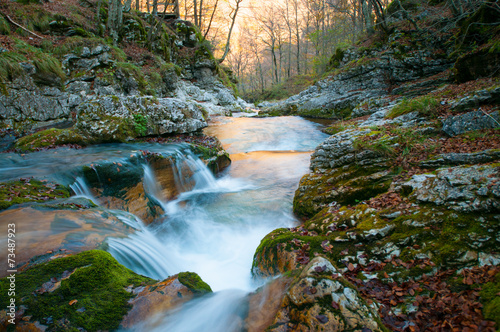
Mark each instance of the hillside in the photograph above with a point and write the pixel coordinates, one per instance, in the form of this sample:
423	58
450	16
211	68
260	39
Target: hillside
60	68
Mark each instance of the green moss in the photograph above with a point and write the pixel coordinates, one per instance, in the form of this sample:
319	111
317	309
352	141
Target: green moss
29	190
193	281
97	282
424	105
491	300
114	178
336	58
47	138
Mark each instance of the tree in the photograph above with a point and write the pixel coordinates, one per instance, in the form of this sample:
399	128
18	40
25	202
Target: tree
232	15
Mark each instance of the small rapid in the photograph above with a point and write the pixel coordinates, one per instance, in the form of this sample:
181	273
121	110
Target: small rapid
209	224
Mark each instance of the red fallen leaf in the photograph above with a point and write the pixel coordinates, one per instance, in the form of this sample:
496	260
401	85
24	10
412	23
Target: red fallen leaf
72	302
412	292
335	305
350	267
386	275
392	302
322	319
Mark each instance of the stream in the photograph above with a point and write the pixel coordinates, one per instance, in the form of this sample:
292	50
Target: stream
214	227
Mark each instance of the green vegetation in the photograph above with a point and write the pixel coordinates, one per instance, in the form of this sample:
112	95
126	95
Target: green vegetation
29	190
193	281
9	66
4	26
91	295
424	105
491	300
140	124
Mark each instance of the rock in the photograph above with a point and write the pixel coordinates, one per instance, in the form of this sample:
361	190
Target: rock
478	98
466	189
157	298
454	159
91	283
341	174
110	118
476	120
308	306
378	233
58	223
265	303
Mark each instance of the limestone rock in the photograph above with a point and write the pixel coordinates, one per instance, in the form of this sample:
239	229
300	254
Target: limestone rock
476	120
57	225
160	297
326	304
465	189
454	159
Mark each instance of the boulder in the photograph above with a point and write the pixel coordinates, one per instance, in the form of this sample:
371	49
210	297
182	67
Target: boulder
475	120
68	226
315	301
465	189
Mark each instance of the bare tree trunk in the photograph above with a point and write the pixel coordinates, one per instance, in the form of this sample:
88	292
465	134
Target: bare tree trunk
137	5
195	2
211	19
155	7
200	15
297	34
226	51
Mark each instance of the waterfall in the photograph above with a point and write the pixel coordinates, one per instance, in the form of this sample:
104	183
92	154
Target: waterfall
81	189
223	311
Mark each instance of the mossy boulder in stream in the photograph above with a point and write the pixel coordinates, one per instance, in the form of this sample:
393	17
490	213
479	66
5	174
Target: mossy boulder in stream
91	291
86	291
49	138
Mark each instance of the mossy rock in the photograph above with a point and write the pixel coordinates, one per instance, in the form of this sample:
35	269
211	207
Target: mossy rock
341	186
49	138
114	178
89	292
29	190
193	281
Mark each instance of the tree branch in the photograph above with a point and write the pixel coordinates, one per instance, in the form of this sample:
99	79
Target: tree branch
20	26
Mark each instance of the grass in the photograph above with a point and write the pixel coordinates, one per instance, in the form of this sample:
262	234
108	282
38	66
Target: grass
424	105
4	27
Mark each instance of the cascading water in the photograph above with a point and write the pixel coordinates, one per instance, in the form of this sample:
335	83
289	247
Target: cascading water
212	227
81	189
215	225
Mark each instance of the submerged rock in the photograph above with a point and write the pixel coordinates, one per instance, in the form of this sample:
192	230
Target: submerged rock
66	226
